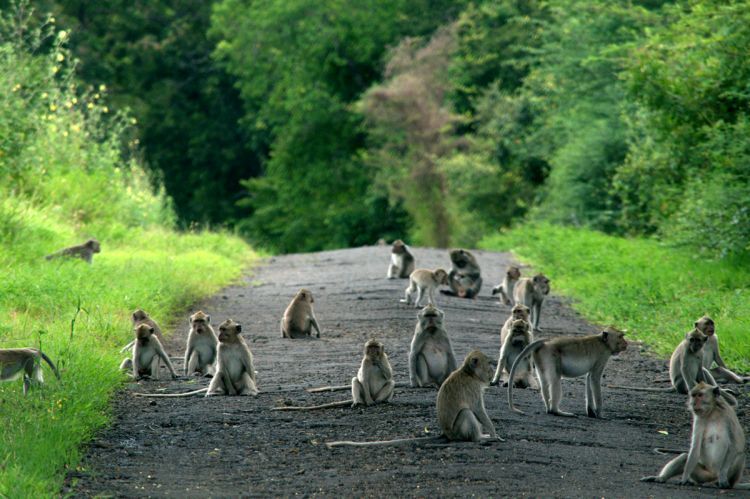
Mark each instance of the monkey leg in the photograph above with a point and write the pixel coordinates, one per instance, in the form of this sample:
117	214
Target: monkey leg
467	427
392	271
420	292
726	376
431	296
386	392
672	468
423	371
216	387
358	393
555	397
193	363
127	364
26	384
246	386
154	368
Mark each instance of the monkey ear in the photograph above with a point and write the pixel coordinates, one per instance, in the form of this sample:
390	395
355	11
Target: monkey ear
208	319
151	330
239	328
695	324
717	391
605	335
474	361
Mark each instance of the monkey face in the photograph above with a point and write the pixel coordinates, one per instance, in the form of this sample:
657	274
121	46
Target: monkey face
229	330
703	398
93	245
513	273
706	325
478	365
398	247
441	276
143	333
430	318
541	283
374	351
139	315
615	340
459	257
305	295
696	340
520	312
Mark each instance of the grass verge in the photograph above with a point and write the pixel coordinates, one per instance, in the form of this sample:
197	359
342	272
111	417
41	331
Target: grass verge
653	291
159	270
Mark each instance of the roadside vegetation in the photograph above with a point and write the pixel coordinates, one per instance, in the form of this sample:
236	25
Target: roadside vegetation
69	172
652	290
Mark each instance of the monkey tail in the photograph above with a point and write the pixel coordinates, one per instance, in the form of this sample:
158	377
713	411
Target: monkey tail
662	451
51	364
334	388
530	348
341	403
641	388
161	395
380	443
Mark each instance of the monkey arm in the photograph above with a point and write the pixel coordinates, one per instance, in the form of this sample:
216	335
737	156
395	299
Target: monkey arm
188	353
314	322
452	365
416	347
688	379
160	351
694	454
127	347
501	364
247	363
481	414
391	271
227	381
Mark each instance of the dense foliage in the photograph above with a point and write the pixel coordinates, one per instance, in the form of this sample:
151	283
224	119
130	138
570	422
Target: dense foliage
314	124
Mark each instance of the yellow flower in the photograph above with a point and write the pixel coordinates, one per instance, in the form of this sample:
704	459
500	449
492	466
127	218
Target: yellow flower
55	70
68	104
45	95
76	127
105	109
133	121
90	106
65	133
96	95
16	87
102	87
75	100
52	107
60	58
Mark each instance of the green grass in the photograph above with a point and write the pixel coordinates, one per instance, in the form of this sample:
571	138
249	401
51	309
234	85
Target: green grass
652	290
158	270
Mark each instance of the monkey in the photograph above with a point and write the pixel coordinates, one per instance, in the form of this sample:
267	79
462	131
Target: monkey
518	312
514	339
531	292
202	343
83	251
717	444
299	318
146	354
431	357
685	368
402	261
460	407
372	384
141	317
570	357
421	280
464	277
505	288
711	353
235	374
15	361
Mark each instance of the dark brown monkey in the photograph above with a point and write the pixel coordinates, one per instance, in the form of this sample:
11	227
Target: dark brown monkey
464	277
83	251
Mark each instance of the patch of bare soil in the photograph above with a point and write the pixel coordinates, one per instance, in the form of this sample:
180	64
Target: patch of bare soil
237	446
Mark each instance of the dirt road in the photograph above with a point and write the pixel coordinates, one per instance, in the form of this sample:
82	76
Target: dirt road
236	446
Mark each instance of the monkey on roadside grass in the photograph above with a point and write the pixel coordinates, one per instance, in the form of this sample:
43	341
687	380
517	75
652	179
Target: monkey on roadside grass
531	292
505	288
685	368
570	357
299	317
514	339
202	343
141	317
372	384
83	251
717	445
464	277
460	407
711	353
146	354
422	280
402	261
431	357
235	373
15	362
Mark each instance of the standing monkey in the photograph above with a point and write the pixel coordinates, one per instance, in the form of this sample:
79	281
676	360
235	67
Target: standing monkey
202	343
421	280
505	288
711	353
717	445
299	318
570	357
27	361
146	354
402	261
464	277
531	292
431	357
83	251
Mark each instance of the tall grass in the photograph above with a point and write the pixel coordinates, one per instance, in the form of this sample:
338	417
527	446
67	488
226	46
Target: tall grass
654	291
69	171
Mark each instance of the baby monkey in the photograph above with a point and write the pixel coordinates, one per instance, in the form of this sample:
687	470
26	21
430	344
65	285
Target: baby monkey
15	362
505	288
717	445
422	280
83	251
146	354
514	339
465	278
